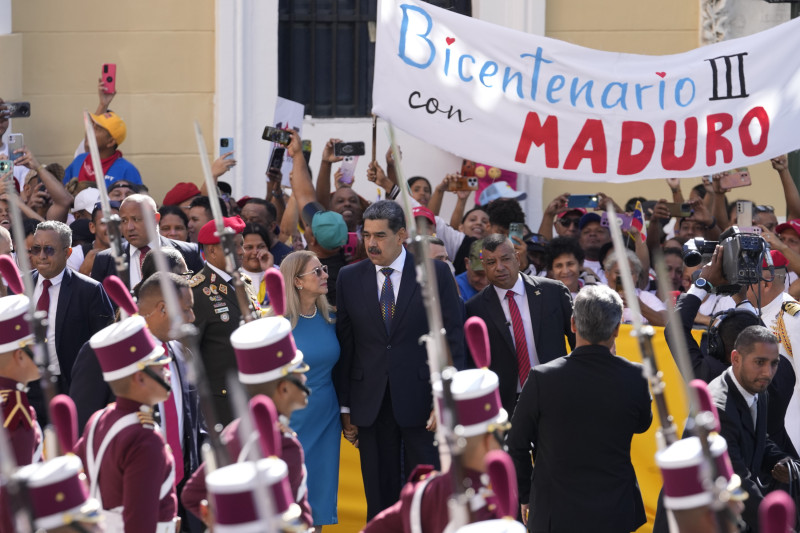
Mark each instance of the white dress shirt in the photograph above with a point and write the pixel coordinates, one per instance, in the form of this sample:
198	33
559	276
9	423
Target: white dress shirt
521	299
750	399
134	268
54	291
396	276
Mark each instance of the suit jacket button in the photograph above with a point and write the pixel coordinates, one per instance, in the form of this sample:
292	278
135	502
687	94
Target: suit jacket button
389	347
224	392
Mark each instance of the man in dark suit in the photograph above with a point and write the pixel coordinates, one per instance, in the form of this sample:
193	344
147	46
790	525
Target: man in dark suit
134	229
580	412
77	306
91	393
384	383
542	305
741	399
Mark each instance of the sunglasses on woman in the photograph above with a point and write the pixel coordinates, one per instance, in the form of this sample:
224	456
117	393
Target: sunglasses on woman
316	271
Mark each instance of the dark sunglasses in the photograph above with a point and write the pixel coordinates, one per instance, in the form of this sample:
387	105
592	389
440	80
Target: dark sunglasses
49	251
569	221
316	271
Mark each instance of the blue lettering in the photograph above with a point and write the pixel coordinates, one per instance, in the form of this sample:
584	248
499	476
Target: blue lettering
623	87
661	87
507	77
679	89
461	67
555	84
538	60
575	92
446	61
485	72
404	29
639	90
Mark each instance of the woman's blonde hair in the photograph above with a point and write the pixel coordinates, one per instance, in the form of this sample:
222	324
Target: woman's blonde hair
294	264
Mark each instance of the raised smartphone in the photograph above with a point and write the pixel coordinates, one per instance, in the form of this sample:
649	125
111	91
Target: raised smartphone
225	146
109	77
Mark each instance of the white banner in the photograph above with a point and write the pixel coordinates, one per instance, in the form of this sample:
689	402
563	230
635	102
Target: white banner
548	108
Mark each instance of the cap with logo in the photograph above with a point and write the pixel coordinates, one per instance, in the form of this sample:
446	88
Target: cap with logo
500	189
126	347
111	122
265	350
15	332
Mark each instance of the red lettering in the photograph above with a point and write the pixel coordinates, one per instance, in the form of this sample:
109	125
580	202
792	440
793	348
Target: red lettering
534	132
749	148
717	125
669	159
630	163
592	132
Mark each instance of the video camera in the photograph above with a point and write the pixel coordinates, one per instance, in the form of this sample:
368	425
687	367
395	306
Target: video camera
742	254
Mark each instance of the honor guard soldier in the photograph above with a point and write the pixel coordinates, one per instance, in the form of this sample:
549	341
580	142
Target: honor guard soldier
131	470
17	369
59	498
217	312
423	501
269	364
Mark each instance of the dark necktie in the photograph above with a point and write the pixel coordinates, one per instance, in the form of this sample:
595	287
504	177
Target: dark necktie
173	433
44	300
523	360
387	297
142	252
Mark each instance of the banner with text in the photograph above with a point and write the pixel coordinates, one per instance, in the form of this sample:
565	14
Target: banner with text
548	108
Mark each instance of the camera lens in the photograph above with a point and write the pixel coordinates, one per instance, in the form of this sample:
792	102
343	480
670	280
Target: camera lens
109	79
224	143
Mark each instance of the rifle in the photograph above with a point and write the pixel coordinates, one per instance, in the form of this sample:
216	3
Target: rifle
227	237
440	361
111	220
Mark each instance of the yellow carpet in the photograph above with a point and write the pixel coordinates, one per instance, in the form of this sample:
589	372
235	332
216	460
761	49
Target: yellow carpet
352	503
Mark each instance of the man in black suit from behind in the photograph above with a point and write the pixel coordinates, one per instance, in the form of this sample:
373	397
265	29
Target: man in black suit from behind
383	380
543	305
134	229
740	394
580	412
77	307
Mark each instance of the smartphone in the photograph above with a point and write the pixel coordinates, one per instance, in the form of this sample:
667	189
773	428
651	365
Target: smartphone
109	78
6	166
463	183
679	210
516	229
624	221
739	178
350	148
351	247
277	135
348	169
647	207
306	149
744	213
708	180
225	146
18	109
586	201
15	142
467	168
276	159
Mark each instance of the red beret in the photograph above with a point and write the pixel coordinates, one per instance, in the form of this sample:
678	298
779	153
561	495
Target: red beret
206	235
778	259
180	193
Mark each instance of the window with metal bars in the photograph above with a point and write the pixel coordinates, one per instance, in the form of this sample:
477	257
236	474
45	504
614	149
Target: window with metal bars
326	50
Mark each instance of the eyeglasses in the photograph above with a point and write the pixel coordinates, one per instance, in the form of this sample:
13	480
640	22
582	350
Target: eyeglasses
49	251
316	271
571	221
763	209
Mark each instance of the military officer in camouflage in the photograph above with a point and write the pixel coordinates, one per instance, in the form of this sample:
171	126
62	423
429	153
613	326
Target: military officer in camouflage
217	312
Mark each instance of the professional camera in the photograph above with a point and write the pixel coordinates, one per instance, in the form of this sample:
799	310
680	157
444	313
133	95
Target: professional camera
742	254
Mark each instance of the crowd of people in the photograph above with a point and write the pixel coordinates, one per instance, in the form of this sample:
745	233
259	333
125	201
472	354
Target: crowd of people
344	321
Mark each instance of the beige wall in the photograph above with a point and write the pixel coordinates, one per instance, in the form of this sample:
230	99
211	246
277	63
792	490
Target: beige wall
165	57
642	27
164	53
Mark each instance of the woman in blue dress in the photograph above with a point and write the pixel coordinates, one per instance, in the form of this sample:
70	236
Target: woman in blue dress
318	426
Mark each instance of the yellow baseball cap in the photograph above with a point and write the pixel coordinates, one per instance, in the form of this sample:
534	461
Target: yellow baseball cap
113	123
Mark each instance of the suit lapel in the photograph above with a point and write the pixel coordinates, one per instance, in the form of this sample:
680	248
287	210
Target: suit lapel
408	286
535	306
495	311
64	294
125	275
744	410
369	287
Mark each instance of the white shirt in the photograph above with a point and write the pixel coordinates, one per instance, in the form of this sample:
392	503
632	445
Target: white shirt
221	273
134	268
749	399
396	275
521	299
54	291
177	392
